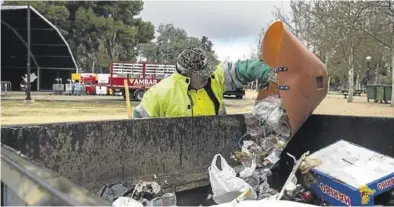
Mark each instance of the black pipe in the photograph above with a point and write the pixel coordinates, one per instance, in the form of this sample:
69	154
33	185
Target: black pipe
28	86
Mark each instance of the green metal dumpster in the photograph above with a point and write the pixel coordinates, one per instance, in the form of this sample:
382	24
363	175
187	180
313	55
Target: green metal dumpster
371	92
387	93
379	93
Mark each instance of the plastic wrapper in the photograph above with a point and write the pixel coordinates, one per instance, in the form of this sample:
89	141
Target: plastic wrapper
272	116
111	192
145	190
251	151
248	171
258	181
142	191
126	202
253	125
168	199
269	130
274	156
269	127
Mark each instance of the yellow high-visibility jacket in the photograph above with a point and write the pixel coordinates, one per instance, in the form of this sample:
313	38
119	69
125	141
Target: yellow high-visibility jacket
172	96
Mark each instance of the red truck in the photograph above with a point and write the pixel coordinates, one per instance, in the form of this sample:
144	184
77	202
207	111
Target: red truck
139	76
89	81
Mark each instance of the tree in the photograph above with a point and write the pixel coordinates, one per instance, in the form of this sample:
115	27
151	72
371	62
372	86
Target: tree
171	41
343	33
256	52
207	44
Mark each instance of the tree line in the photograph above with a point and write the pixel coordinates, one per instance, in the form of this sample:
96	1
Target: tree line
99	32
171	41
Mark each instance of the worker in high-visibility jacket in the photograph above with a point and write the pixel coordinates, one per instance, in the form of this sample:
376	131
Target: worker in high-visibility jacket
197	88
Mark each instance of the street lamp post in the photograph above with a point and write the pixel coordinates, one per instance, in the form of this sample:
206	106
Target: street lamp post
28	86
368	59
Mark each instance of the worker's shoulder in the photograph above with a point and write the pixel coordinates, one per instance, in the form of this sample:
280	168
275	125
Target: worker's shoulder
164	85
219	71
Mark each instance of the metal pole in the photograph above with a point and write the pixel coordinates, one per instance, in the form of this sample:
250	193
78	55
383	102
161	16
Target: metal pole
38	79
369	72
392	58
28	87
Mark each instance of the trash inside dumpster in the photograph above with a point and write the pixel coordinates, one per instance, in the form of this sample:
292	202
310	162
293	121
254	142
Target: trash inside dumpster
339	174
352	175
296	87
228	188
280	110
268	132
144	192
95	154
225	185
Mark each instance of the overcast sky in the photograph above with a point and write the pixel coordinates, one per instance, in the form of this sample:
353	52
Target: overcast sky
233	26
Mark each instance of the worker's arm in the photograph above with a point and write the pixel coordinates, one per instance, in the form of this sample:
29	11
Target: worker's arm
243	72
148	107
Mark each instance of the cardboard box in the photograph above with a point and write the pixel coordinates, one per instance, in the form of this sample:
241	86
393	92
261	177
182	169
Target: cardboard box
351	175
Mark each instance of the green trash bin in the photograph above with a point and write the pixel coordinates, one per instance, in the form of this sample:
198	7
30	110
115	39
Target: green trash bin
387	93
371	92
379	93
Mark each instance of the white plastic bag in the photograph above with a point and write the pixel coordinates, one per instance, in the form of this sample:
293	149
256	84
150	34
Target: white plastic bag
225	185
126	202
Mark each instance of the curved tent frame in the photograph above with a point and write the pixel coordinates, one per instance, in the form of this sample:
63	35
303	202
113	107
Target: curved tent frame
49	49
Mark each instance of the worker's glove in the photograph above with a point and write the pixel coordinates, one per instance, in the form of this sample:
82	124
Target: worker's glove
252	70
272	78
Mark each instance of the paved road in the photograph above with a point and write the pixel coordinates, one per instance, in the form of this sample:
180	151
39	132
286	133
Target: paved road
47	96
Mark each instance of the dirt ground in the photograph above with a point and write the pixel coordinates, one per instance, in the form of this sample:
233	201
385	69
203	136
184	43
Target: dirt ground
49	109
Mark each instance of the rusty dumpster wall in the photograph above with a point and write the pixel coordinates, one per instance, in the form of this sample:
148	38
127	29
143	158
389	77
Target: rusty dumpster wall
92	154
178	150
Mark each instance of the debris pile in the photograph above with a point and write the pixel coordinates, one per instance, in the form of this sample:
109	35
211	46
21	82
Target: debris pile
145	193
111	192
251	183
269	130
